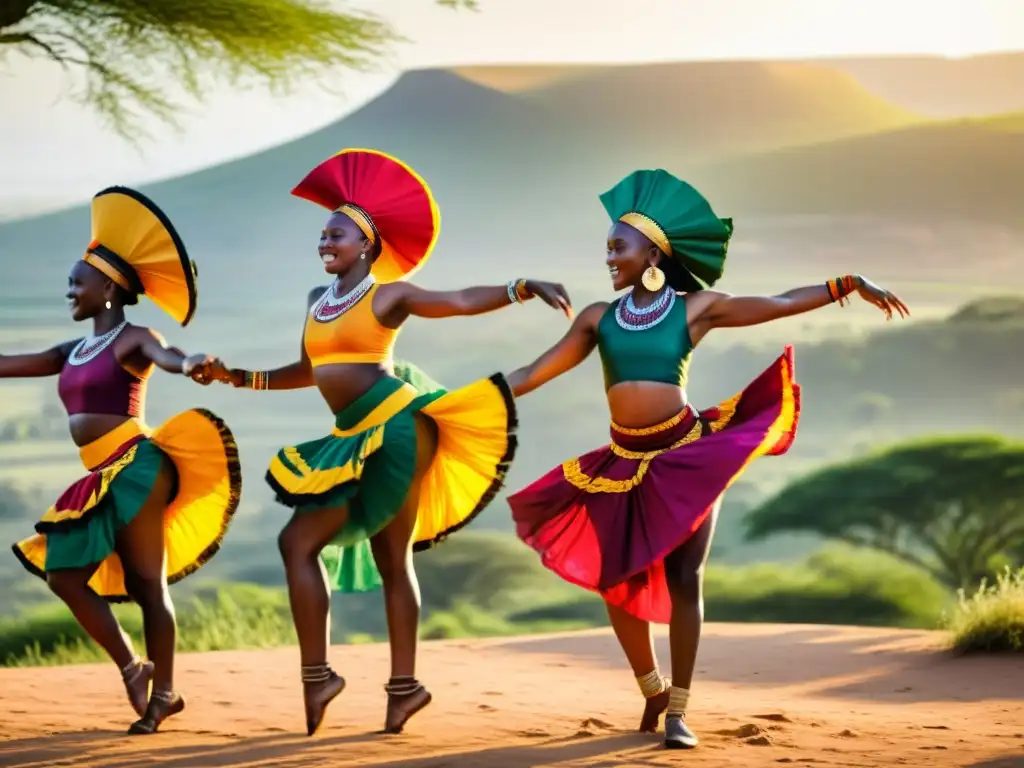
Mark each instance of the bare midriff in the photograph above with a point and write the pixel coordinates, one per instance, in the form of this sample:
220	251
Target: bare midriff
341	384
638	404
86	428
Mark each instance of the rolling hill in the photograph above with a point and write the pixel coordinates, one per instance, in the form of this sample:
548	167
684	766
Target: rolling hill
537	152
677	111
971	169
517	174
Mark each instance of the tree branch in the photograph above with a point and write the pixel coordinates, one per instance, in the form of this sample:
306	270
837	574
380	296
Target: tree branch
125	49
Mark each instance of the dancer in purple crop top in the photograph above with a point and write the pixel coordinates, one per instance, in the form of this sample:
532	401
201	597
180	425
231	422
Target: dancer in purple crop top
155	503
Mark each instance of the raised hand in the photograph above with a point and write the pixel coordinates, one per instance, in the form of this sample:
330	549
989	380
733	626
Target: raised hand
554	294
881	298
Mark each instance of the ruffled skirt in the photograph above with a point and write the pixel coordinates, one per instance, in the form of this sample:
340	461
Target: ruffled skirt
607	520
369	459
81	527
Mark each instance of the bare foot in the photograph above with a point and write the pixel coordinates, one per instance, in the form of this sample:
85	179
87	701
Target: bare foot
137	678
162	704
317	696
652	712
402	705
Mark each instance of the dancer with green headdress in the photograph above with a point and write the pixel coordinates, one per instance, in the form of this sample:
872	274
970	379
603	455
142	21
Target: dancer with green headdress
633	520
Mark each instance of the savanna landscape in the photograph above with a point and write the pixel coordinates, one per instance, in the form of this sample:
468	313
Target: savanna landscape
866	591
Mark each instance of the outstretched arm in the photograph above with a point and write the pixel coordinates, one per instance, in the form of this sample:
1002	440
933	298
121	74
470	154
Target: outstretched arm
297	375
47	363
403	299
170	359
721	310
573	348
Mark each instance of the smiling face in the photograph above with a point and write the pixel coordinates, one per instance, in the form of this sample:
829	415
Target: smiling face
88	292
342	243
629	254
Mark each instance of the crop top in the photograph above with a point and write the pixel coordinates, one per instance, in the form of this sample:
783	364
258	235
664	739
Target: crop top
660	353
101	385
355	336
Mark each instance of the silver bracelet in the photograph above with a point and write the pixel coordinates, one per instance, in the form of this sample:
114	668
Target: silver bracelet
513	294
184	368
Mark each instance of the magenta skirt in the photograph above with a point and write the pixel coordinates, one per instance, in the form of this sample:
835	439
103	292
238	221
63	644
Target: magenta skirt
607	519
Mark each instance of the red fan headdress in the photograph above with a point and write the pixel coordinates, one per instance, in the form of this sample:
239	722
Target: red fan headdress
400	206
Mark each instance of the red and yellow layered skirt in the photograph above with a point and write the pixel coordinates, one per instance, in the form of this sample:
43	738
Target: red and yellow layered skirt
606	520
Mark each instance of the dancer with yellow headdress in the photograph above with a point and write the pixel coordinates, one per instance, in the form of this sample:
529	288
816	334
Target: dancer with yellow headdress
633	520
155	503
407	463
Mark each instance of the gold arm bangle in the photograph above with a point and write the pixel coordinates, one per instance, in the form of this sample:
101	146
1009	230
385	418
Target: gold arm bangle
258	380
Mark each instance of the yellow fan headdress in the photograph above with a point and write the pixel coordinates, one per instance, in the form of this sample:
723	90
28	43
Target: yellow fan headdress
136	246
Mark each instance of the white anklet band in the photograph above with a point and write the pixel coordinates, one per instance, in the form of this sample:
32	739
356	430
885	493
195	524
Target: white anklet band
678	699
651	684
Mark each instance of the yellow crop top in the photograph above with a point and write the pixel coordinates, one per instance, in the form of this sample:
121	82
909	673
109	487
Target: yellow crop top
355	336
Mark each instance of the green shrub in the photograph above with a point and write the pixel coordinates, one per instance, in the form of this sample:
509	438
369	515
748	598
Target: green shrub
992	619
837	585
212	619
492	586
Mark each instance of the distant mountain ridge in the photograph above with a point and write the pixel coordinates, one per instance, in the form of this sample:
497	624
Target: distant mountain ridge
931	86
517	171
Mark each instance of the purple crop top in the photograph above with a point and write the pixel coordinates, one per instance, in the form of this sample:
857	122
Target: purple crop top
101	385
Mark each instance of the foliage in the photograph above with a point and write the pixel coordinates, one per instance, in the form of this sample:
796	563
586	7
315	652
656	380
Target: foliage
14	503
51	422
468	620
992	619
952	506
837	585
239	616
123	48
494	571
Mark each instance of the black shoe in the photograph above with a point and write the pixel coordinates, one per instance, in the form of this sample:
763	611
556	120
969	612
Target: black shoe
677	735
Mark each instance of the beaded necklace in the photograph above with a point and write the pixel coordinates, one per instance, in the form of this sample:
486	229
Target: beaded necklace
631	318
88	348
330	306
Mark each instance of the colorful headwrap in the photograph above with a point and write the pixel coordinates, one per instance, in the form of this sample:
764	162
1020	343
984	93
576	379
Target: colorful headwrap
678	220
135	245
386	199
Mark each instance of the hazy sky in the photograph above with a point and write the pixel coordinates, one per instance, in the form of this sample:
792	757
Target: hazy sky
52	150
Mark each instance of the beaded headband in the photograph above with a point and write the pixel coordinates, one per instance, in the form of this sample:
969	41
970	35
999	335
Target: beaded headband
361	218
649	227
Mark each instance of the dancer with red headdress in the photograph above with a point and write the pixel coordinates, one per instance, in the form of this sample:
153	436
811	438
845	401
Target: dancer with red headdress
407	463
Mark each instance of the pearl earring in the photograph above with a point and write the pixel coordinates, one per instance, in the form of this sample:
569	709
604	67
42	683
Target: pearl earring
362	255
108	305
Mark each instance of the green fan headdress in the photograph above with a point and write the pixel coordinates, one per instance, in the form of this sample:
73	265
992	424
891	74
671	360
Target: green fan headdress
678	220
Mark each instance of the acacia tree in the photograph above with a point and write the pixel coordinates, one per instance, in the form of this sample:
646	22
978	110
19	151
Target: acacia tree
954	507
123	51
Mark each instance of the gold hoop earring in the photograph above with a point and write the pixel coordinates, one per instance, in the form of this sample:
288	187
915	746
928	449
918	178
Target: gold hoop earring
653	279
108	305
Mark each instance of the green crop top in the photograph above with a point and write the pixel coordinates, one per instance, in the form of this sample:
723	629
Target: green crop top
660	353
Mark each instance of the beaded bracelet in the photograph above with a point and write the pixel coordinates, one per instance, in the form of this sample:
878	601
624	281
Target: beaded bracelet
517	292
840	287
257	380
